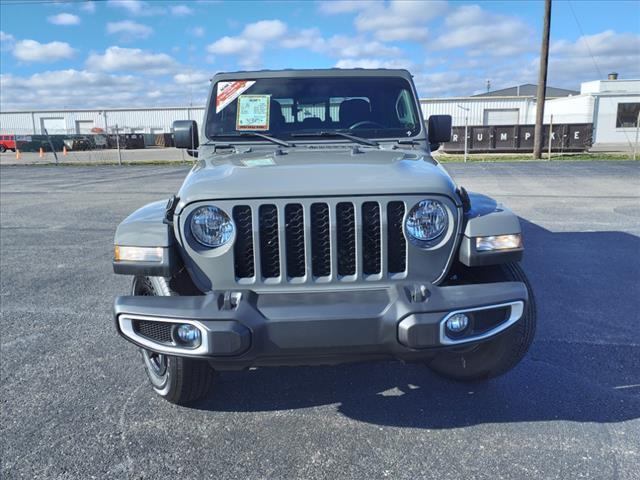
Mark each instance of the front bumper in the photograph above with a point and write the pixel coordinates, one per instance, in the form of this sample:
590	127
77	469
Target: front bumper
243	328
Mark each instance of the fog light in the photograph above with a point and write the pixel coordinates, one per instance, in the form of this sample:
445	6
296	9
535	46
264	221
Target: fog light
457	323
188	335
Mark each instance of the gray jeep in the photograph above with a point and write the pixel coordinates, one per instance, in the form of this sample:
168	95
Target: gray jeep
315	228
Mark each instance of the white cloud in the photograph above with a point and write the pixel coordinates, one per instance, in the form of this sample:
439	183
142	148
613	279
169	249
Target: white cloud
88	6
129	30
33	51
310	38
249	45
138	7
485	33
264	30
180	10
196	31
191	78
354	47
64	19
591	57
372	63
607	42
399	20
6	41
231	46
60	88
85	89
332	7
117	59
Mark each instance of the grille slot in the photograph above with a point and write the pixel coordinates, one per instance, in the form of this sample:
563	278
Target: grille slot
323	240
156	331
346	235
320	240
269	242
371	242
397	244
294	234
243	247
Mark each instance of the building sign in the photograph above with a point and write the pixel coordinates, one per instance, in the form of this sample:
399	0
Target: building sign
515	138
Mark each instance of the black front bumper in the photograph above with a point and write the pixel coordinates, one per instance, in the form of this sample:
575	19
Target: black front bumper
317	327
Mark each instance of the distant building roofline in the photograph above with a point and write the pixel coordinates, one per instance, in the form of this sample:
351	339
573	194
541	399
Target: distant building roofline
528	90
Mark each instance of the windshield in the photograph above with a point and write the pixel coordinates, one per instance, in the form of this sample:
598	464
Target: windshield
369	107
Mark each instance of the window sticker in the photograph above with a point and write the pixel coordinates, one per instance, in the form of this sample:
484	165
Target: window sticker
229	91
253	112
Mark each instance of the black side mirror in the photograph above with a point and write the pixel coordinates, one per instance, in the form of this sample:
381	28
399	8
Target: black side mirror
439	129
185	135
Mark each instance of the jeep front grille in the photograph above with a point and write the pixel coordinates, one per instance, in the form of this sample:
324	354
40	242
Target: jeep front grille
319	241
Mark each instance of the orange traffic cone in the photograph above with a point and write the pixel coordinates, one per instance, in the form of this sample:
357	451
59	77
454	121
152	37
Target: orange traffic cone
17	154
41	154
64	150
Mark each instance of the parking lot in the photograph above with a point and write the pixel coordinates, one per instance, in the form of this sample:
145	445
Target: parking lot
111	156
75	399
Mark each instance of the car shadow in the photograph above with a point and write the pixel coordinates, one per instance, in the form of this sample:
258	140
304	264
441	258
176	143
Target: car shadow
583	366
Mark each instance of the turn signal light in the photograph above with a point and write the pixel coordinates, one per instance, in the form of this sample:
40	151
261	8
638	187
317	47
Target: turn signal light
138	254
498	242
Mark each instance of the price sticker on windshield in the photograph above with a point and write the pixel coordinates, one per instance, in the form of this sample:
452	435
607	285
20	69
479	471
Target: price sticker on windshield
229	91
253	112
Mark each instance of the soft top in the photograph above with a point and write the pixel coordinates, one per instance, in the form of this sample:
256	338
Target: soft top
325	72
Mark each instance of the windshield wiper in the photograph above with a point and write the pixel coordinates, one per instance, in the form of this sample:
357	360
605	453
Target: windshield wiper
260	135
353	138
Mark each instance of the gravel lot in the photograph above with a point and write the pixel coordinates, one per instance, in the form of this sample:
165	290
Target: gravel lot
75	400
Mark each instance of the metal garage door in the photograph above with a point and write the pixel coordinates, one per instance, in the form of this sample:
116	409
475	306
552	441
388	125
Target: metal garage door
84	126
504	116
53	125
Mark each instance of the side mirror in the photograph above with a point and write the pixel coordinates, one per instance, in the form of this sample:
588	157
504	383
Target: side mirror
439	129
185	135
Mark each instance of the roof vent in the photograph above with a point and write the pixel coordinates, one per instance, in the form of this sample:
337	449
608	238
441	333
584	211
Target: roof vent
612	76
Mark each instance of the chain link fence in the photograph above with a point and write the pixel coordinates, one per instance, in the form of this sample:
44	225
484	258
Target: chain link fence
102	147
122	146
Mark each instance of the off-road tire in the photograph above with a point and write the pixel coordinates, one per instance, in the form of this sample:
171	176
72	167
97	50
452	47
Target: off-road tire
177	379
500	354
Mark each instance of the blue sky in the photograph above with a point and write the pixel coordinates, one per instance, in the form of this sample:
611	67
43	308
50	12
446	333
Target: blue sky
119	53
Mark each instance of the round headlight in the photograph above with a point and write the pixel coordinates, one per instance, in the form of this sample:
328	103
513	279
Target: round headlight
427	221
211	226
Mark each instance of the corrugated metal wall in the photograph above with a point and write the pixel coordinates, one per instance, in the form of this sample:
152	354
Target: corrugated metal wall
150	120
577	109
475	108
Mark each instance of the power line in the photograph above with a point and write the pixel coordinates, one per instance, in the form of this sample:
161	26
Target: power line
595	63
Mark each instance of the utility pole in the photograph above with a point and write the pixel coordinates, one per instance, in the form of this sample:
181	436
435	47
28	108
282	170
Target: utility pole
466	131
542	81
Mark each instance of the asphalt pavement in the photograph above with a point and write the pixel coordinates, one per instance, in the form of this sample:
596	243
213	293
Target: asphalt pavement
76	403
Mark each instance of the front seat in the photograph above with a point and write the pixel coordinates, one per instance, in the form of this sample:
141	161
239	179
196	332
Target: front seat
354	111
276	118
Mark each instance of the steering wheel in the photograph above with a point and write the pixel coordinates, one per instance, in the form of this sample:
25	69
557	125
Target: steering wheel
365	122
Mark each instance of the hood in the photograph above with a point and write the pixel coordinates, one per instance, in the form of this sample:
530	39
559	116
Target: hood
314	173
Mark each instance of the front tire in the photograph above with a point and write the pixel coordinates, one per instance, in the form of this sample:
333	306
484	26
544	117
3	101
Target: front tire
500	354
177	379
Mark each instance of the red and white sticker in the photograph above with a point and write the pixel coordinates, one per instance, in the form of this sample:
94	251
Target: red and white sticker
229	91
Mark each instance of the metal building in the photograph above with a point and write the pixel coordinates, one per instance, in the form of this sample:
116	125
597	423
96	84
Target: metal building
127	120
612	106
